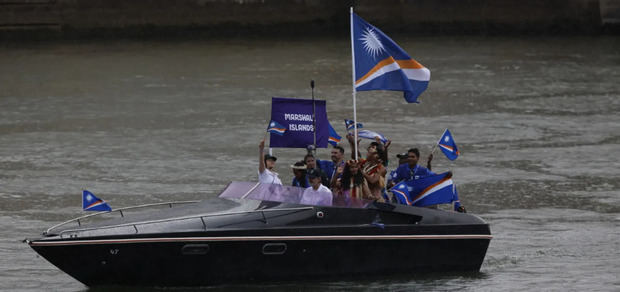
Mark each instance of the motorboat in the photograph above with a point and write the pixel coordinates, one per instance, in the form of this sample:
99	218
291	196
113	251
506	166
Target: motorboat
274	239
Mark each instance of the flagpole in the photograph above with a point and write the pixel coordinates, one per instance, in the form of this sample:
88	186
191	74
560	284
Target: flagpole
353	83
435	147
313	115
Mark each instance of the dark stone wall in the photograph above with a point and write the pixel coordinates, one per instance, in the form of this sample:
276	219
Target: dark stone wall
225	17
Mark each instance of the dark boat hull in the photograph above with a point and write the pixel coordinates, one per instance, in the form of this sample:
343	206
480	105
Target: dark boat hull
210	258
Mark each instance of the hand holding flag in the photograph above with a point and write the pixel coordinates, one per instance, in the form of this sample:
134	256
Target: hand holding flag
91	203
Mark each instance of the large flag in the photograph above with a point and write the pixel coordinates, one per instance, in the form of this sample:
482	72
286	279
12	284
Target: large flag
275	128
334	138
295	116
91	203
371	135
448	146
427	191
380	64
350	124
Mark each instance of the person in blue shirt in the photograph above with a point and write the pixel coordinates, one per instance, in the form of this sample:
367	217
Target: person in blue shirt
329	167
311	164
300	178
411	169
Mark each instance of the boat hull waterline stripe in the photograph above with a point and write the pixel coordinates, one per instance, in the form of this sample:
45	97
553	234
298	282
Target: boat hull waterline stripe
260	238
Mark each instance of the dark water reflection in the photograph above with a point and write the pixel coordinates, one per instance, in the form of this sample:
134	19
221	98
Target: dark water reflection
536	120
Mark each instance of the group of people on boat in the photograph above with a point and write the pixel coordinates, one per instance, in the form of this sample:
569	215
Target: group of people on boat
358	177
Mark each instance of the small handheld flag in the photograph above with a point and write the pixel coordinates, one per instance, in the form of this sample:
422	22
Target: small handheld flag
371	135
448	146
350	125
380	64
334	138
275	128
91	203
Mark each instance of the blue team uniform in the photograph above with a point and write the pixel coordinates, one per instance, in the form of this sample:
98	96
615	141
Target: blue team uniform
404	172
328	167
304	183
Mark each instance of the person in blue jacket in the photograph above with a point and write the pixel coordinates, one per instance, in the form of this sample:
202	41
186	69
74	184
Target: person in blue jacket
411	169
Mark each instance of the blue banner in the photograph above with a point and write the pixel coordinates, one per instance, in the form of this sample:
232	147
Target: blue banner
295	115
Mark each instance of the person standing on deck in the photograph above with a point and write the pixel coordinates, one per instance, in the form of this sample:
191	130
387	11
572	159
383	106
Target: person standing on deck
411	169
266	165
330	167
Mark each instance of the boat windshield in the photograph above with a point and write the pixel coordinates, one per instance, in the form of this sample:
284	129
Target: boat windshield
287	194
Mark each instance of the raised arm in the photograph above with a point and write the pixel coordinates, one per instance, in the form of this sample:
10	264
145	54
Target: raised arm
351	140
428	162
261	156
334	182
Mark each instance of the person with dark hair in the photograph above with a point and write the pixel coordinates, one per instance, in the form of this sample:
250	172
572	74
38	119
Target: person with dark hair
316	193
311	164
337	159
352	184
411	169
372	167
266	166
300	179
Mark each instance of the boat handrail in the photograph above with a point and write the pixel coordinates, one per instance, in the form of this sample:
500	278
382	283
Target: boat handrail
201	216
120	210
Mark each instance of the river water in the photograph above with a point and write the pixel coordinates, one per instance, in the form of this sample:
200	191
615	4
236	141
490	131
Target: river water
537	121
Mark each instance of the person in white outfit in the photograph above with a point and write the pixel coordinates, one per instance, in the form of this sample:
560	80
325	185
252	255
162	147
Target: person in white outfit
317	193
266	165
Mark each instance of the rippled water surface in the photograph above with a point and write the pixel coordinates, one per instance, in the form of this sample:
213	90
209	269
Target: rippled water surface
537	121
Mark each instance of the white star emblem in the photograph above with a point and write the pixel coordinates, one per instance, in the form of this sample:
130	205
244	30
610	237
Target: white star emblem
371	41
89	198
446	139
401	187
272	124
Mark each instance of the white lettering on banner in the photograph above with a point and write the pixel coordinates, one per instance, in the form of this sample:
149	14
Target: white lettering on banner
298	117
300	127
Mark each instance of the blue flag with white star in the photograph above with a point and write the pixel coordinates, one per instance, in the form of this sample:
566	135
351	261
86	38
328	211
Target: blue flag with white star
380	64
91	203
350	124
275	128
367	134
448	146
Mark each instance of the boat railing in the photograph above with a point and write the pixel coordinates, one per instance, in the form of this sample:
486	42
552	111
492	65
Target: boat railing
120	211
201	216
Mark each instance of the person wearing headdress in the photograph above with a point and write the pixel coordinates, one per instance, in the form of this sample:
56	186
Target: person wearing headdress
300	179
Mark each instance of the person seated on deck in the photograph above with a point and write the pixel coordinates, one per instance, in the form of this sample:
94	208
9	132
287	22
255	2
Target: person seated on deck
372	167
266	166
317	193
329	166
311	164
300	179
